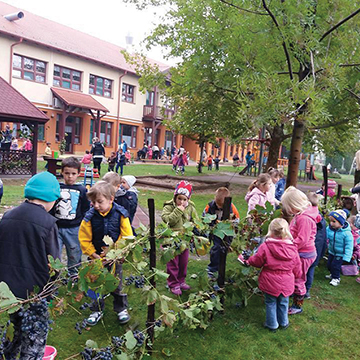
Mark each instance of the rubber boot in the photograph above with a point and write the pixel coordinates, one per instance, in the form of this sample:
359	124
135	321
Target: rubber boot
296	307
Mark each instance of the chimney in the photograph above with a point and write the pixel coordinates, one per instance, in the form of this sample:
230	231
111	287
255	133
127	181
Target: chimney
15	16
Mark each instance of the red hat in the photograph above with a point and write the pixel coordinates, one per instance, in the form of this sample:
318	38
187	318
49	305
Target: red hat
183	188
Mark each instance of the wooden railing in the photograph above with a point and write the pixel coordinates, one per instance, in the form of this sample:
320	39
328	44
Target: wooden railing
16	162
157	112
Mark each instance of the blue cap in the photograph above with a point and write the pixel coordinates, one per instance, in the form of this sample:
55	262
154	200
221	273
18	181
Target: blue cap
43	186
339	215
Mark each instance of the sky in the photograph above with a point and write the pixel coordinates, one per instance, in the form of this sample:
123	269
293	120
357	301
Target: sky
110	20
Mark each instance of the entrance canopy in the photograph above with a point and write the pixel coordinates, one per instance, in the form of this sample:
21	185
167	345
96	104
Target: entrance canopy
15	108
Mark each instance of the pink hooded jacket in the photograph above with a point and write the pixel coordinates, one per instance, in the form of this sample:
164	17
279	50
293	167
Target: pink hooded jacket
280	264
303	229
255	197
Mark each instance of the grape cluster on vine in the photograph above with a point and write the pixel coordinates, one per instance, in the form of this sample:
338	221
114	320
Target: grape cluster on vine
117	342
84	306
138	280
139	336
80	326
102	354
158	323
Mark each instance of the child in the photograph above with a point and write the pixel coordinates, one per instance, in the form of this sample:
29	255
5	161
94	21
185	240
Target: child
320	244
70	211
341	244
217	162
175	213
128	157
86	160
249	161
215	207
256	194
280	263
48	151
120	161
174	162
280	186
356	237
112	161
275	177
209	162
303	230
91	233
127	183
24	259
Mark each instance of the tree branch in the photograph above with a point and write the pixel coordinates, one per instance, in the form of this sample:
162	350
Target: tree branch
325	126
241	9
283	43
339	24
353	94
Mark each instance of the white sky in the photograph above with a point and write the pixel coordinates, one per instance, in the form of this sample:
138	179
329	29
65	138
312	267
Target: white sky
110	20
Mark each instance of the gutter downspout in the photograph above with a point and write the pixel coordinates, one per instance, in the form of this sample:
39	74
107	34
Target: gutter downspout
11	57
118	113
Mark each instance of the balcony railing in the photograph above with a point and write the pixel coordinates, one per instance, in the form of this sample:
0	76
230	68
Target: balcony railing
157	112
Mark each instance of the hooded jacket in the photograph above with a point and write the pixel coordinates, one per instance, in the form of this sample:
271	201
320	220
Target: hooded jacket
341	241
175	217
255	197
280	264
303	229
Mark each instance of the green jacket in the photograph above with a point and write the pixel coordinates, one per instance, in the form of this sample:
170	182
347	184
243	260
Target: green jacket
175	217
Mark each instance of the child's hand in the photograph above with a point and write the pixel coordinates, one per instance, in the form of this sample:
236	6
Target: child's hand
105	250
182	208
95	256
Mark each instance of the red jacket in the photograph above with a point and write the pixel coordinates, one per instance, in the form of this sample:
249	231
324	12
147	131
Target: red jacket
280	264
303	229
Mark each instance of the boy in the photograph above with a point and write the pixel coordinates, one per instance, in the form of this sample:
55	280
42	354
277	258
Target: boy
69	212
28	234
120	161
217	162
341	244
112	161
215	207
48	151
209	162
92	230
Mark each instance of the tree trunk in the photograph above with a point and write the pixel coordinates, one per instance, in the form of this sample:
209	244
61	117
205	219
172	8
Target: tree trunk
201	156
277	137
295	151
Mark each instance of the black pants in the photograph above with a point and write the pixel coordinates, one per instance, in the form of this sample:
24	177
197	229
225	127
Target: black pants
97	164
120	300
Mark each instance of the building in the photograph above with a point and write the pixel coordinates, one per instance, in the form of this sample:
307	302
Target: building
86	88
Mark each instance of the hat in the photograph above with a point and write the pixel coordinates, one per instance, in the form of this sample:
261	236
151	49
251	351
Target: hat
339	215
183	188
347	212
43	186
332	184
130	179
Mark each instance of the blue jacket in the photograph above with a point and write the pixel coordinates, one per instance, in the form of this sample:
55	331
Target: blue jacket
280	188
341	242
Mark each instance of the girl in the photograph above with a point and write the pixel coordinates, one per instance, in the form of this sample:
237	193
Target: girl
280	264
303	230
257	192
280	186
275	176
175	213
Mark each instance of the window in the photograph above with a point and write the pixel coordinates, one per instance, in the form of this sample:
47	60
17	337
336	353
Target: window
100	86
128	92
29	69
41	132
129	135
67	78
105	132
149	97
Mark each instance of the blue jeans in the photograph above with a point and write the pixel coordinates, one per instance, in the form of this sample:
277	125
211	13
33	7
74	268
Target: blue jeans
70	238
320	251
334	265
276	311
121	166
215	252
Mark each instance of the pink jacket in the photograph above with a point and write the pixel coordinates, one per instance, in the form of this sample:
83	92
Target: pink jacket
280	264
175	160
86	159
255	197
303	229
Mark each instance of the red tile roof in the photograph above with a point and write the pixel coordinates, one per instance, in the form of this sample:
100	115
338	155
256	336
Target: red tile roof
15	105
73	98
49	33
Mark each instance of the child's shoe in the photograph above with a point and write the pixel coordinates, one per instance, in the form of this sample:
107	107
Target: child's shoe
284	327
176	290
307	295
328	277
94	318
358	280
184	286
335	282
293	310
270	329
123	316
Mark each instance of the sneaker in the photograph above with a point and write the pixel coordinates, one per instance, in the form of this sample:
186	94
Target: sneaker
293	310
176	290
270	329
358	280
328	277
184	286
335	282
94	318
307	295
284	327
211	276
123	316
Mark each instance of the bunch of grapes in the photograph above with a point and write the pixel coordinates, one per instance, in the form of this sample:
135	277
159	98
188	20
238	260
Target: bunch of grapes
80	326
158	323
246	254
139	336
84	306
102	354
87	354
2	340
35	321
129	280
117	343
177	245
139	281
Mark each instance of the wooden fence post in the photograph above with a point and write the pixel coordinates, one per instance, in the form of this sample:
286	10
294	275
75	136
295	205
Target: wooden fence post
224	248
150	323
325	175
338	195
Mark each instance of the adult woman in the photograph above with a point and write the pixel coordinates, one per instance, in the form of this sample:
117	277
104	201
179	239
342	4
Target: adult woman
98	152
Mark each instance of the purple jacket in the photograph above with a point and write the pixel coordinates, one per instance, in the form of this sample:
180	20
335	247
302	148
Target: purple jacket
255	197
280	264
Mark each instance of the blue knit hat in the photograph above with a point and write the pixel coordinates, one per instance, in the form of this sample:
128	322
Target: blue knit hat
339	215
43	186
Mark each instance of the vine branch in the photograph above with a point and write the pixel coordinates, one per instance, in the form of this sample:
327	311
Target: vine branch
242	9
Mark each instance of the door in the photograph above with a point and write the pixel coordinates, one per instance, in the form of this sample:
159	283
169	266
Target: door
68	138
